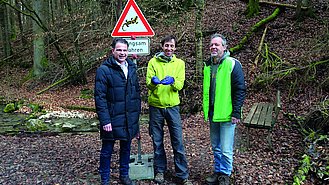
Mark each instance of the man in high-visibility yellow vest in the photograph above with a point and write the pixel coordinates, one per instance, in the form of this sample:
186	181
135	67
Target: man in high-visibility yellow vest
224	92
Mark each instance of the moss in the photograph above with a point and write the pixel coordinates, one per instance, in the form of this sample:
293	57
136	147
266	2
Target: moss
9	108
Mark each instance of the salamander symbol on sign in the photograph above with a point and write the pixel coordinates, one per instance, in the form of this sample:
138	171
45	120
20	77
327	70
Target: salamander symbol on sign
132	21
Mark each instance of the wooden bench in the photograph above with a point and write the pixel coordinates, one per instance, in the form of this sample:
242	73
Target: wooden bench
263	116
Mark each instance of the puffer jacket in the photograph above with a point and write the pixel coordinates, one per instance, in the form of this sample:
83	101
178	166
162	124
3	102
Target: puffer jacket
117	100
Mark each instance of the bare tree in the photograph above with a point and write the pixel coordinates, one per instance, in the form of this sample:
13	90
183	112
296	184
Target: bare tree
39	57
5	30
198	36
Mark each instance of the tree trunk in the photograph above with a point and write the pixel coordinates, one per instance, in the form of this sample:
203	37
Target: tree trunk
303	8
5	30
37	20
39	56
11	22
118	9
298	14
198	37
20	23
81	77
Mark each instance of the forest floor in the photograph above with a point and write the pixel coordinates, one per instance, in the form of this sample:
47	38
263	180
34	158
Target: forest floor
73	158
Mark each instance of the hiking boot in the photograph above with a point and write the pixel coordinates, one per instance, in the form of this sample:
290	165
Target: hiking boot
125	180
224	180
159	178
213	179
186	182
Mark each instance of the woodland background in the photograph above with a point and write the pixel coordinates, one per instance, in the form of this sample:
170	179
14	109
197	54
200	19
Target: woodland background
50	50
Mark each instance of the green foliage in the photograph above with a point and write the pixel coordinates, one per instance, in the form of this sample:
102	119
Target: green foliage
86	94
44	62
35	107
36	111
252	8
9	108
318	150
270	60
316	161
270	63
302	170
35	125
13	106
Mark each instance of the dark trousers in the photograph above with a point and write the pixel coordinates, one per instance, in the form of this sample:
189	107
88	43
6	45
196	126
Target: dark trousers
105	159
173	119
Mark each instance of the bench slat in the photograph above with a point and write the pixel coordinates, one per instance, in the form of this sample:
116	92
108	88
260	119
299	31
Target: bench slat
265	110
257	114
269	117
250	114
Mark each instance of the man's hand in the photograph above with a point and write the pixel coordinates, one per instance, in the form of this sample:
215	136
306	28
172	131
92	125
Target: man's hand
107	127
155	80
168	80
235	120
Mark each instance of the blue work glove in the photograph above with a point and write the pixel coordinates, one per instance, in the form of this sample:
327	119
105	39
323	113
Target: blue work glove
155	80
168	80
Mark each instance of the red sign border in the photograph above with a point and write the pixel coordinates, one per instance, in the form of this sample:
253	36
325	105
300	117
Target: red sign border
116	33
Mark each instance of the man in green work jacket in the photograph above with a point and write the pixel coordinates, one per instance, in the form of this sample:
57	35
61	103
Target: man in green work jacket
165	77
224	92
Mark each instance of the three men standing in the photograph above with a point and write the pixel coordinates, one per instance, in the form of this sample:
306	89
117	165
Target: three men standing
118	102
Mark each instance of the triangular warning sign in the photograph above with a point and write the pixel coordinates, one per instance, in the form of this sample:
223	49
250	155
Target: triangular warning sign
132	22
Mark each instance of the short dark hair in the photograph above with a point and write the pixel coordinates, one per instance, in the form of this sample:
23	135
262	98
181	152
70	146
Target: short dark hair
167	39
119	40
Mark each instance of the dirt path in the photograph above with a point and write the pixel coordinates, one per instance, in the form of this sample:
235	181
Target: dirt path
73	159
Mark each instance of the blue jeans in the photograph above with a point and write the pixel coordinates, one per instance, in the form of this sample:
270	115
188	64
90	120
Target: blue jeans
222	140
173	119
105	159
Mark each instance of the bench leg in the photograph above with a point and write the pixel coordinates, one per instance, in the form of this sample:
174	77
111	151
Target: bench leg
269	138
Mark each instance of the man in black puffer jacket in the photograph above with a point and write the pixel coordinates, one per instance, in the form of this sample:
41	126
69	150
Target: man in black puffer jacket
118	106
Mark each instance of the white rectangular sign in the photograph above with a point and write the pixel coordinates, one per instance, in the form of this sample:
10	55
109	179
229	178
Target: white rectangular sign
138	46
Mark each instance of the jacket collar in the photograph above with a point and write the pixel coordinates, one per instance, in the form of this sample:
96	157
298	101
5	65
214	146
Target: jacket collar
215	60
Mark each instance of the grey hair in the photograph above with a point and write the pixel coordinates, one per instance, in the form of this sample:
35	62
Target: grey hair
224	41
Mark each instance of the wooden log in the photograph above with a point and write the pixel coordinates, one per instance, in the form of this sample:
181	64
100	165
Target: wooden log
282	5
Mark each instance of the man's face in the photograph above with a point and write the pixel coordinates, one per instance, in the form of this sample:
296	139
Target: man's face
120	52
216	47
169	48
